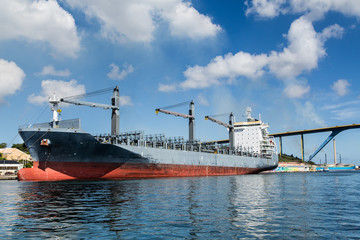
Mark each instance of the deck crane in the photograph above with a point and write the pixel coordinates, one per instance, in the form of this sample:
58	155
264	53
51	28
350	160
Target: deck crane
230	126
190	116
115	103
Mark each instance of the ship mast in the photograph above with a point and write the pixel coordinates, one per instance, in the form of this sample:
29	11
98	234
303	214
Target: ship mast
55	109
115	115
248	115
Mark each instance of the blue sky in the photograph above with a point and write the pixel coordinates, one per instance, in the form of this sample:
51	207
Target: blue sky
294	62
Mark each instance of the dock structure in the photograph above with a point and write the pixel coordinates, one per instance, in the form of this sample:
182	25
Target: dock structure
334	131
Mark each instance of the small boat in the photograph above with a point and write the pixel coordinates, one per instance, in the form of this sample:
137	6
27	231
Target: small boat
340	167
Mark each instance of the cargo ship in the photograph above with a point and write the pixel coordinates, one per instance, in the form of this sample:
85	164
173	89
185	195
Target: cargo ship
62	150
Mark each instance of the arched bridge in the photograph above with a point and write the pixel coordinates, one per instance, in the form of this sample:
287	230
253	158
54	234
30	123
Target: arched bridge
334	131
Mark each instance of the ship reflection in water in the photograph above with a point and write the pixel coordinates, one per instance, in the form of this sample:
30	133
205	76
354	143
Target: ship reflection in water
296	205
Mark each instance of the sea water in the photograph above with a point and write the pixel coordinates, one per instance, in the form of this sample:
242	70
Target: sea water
270	206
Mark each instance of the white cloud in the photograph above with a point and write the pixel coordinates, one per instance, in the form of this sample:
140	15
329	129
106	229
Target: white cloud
341	105
345	114
302	54
332	31
320	7
341	87
60	88
314	8
167	87
296	91
305	49
50	70
137	20
186	21
115	73
125	101
344	110
229	66
265	8
39	21
11	78
65	89
201	100
308	113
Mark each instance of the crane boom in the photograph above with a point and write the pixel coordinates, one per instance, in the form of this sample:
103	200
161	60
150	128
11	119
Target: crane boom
90	104
115	116
230	126
217	121
173	113
190	116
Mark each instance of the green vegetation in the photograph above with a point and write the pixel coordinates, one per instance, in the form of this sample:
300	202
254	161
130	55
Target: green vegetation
27	164
21	147
292	158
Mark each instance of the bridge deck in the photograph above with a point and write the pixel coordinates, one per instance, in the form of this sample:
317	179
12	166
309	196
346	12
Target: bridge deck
317	130
334	131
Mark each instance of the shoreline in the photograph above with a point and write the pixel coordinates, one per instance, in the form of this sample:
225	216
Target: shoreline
12	177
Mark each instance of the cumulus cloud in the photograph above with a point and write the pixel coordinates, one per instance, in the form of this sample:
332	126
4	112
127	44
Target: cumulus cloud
167	87
334	31
40	21
50	70
186	21
11	78
296	91
303	52
341	87
229	66
202	100
314	8
136	21
305	49
265	8
125	101
60	88
116	74
65	89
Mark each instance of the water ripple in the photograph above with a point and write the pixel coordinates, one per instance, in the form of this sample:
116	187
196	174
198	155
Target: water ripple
270	206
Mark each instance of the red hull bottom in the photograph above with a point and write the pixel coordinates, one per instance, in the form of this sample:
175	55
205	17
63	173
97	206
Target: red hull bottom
56	171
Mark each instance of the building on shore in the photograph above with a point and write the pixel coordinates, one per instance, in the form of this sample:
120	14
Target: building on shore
14	154
11	165
294	167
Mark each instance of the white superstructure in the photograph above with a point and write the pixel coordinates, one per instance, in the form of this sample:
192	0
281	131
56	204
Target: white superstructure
252	136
